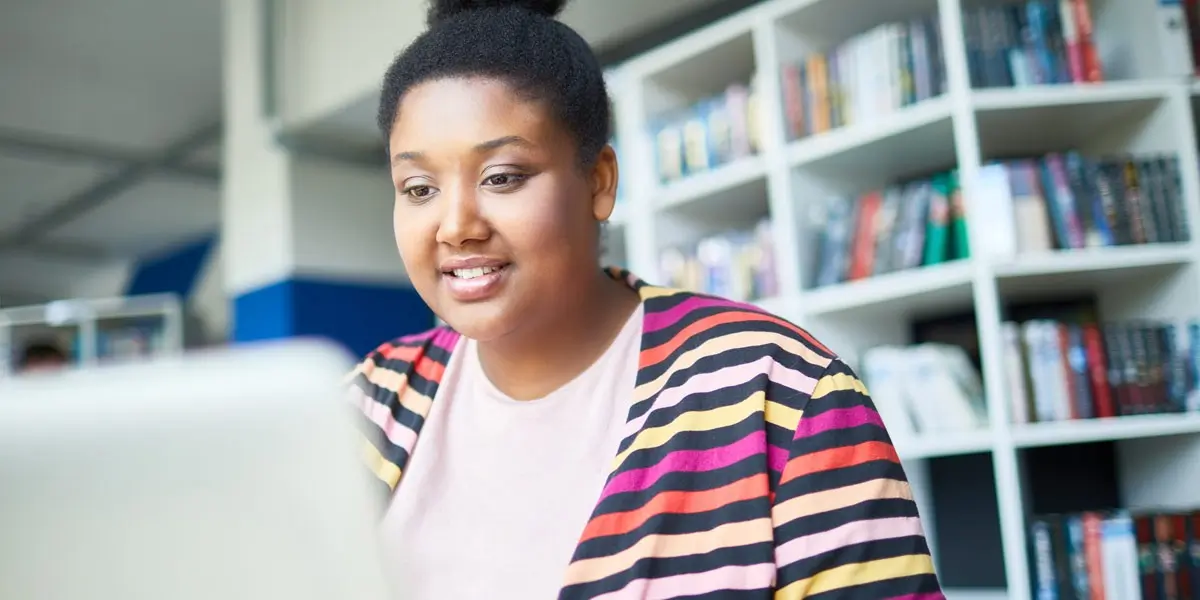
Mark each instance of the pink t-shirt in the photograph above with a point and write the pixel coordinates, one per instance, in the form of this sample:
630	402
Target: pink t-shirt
498	491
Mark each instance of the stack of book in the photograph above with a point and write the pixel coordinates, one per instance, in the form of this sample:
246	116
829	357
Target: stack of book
904	226
1066	201
1116	555
1030	43
866	77
738	265
925	389
713	132
1060	370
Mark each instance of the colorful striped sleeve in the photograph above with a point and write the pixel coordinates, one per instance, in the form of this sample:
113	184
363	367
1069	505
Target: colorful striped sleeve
846	525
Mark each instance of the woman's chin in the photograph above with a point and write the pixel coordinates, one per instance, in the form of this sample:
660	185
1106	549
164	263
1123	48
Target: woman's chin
479	322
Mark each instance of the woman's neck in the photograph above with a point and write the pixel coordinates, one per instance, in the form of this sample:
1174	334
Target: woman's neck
542	358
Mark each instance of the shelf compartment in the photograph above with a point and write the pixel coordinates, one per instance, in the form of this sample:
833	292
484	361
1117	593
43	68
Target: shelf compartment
1095	118
714	186
822	23
923	446
698	66
1083	431
913	140
1090	269
929	289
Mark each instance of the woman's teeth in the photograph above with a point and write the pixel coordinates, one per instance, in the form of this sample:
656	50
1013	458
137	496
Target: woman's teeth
473	273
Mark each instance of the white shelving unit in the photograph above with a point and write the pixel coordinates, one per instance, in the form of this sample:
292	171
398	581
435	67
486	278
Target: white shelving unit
153	323
1136	110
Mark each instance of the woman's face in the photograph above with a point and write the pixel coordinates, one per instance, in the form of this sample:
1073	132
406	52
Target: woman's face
494	218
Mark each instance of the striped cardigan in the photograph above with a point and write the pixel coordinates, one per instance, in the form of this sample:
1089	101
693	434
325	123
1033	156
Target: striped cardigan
753	464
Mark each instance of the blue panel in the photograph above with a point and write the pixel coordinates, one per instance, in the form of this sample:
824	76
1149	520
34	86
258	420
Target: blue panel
174	272
360	316
263	314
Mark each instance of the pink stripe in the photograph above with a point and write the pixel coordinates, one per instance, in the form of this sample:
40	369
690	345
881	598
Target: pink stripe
777	458
920	596
838	418
711	382
379	414
687	461
662	319
735	577
445	338
850	534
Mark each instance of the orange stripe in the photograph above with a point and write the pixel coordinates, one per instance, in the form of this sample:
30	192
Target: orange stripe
404	353
676	502
654	355
838	458
430	369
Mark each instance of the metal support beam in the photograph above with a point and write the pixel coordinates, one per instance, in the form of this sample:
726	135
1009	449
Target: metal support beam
36	145
77	253
31	230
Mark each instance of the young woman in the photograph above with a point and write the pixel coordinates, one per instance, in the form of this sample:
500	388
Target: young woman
576	432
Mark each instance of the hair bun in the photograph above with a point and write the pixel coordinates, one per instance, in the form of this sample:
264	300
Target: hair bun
440	10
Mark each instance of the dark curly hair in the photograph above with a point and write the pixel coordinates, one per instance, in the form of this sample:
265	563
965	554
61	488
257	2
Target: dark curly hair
519	42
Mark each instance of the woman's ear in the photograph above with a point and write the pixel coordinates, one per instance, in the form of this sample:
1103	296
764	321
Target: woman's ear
604	177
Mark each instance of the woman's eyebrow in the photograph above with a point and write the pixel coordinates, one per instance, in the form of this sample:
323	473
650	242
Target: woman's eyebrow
488	146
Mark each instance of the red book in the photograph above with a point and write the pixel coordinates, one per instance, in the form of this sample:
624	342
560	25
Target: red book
862	260
1098	371
1092	69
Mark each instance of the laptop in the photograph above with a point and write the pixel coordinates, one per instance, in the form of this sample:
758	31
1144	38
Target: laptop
229	475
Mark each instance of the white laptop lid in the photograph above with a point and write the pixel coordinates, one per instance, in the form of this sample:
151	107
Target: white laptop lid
230	475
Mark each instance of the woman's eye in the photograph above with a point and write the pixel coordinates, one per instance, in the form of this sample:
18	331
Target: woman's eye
503	179
418	191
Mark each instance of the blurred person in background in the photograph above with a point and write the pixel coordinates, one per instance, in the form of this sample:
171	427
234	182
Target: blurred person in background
39	357
575	432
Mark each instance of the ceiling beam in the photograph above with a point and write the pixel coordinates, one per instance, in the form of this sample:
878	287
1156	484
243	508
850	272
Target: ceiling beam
30	231
79	253
37	145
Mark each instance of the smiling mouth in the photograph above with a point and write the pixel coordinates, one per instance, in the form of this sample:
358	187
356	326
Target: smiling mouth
474	272
474	284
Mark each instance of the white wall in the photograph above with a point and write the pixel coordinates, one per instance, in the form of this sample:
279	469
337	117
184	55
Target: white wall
333	53
255	183
27	278
343	222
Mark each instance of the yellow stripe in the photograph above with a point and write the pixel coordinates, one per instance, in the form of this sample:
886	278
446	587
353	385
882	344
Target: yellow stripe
664	545
649	292
838	498
838	383
384	469
783	416
857	574
716	346
397	383
707	420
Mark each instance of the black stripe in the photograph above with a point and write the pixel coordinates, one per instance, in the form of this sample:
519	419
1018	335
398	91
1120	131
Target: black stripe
878	508
677	523
865	552
837	478
665	567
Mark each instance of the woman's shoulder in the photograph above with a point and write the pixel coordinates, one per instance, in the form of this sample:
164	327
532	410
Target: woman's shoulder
423	354
681	323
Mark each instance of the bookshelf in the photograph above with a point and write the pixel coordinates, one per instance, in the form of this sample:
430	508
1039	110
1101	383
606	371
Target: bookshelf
93	331
940	134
